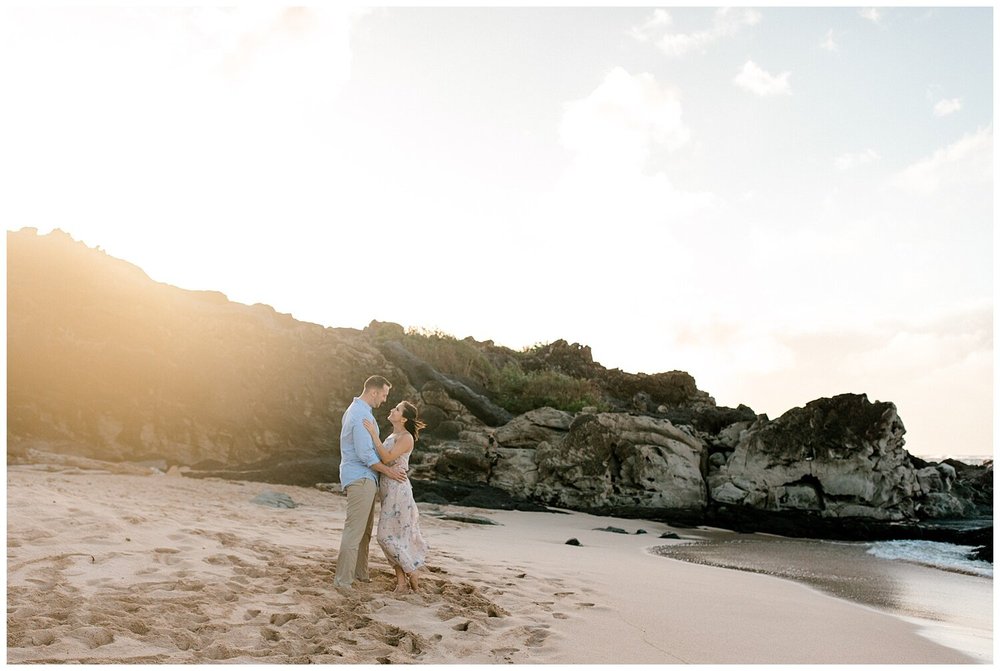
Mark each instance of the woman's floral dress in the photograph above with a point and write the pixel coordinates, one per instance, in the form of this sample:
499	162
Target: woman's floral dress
398	522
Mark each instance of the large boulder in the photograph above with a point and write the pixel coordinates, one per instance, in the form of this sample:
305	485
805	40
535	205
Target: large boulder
619	460
514	470
461	462
534	427
839	457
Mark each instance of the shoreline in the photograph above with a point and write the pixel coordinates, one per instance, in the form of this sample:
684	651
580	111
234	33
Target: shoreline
112	568
951	607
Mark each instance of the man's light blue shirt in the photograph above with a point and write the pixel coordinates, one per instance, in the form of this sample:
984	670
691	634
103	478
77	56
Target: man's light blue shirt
357	449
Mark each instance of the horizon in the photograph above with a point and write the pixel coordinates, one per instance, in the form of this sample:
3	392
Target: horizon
785	203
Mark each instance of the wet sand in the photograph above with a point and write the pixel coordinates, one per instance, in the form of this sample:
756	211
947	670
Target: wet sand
951	607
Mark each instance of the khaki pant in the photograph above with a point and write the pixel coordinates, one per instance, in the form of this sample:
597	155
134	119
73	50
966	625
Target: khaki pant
352	562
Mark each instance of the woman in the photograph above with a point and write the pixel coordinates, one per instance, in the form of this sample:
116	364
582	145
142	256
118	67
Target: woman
398	523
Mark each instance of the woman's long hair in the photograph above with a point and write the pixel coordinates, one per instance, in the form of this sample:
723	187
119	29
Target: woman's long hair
410	420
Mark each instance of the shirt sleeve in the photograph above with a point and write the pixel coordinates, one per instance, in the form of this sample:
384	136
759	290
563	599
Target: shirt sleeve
363	445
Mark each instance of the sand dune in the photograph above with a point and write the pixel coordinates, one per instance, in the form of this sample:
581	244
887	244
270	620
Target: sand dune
106	568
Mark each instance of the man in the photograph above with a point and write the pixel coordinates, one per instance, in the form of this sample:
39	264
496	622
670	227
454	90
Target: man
358	466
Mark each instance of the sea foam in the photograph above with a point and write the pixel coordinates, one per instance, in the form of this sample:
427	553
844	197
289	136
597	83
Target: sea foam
945	556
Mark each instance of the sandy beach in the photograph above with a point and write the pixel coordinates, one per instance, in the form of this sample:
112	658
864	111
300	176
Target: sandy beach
109	568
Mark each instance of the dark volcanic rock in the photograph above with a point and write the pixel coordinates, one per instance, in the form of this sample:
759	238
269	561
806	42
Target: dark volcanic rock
709	419
575	360
841	456
613	459
974	482
482	496
675	388
801	524
469	519
298	472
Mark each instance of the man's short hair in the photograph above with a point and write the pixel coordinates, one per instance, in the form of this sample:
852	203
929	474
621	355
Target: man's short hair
376	382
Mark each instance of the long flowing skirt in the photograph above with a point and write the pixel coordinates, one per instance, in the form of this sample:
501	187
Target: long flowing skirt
399	526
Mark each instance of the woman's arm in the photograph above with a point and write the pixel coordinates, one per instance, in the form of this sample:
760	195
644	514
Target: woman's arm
402	445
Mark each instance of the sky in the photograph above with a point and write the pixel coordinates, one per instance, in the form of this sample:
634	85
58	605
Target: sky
787	203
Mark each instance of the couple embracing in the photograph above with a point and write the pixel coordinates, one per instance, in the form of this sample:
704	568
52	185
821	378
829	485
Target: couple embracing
371	469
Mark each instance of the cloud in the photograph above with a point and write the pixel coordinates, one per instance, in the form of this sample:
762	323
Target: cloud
871	13
279	53
625	116
968	161
762	83
607	204
945	107
726	22
848	161
660	19
828	42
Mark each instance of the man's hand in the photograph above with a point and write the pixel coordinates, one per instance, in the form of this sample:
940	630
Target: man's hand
395	472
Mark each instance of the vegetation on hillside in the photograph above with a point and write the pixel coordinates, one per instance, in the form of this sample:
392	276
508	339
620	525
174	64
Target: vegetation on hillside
500	372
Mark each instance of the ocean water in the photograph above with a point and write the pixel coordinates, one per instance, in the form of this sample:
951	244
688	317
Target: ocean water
974	460
935	586
944	556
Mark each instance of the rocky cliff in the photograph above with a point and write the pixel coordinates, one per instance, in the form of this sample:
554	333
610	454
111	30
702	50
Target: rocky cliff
104	363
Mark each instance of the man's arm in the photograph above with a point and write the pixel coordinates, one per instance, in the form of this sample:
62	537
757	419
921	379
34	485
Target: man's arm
365	448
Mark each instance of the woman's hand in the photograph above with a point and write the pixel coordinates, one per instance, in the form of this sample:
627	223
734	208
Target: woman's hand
372	429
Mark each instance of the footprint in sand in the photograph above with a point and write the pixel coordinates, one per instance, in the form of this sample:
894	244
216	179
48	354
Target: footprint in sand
504	653
166	556
94	637
536	636
41	637
279	619
138	627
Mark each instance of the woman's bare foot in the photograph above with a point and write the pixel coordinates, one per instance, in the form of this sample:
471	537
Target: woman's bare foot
401	588
414	581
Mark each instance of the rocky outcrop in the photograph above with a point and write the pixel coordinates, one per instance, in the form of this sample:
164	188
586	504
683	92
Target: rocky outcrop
835	457
534	427
514	449
614	459
106	364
